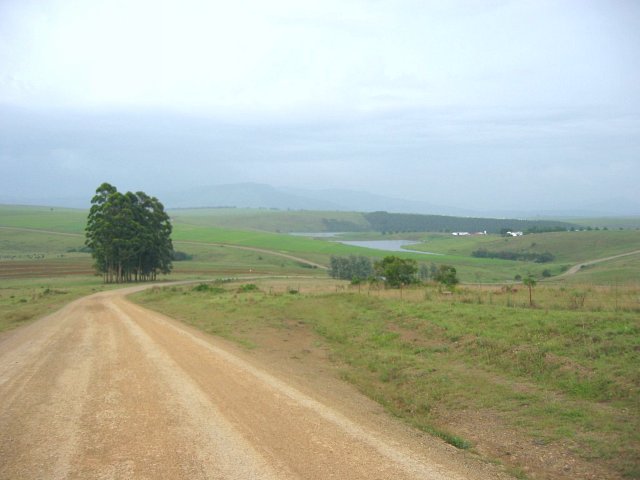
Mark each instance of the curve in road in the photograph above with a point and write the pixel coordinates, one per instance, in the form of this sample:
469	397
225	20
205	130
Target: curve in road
107	389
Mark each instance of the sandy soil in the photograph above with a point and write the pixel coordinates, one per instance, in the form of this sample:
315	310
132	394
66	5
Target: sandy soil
106	389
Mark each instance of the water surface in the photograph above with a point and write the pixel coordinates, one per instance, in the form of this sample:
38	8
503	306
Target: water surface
387	245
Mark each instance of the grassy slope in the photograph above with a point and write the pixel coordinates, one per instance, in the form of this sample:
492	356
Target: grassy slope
570	247
225	261
198	225
21	244
470	269
625	270
557	376
265	220
44	218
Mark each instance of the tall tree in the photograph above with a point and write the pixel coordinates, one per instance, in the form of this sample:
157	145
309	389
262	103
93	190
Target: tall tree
129	235
530	282
352	268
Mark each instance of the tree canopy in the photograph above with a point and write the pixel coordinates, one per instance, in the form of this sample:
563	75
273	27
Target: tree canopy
408	222
354	268
530	282
447	275
397	271
129	235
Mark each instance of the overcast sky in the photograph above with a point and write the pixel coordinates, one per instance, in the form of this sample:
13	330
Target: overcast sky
532	105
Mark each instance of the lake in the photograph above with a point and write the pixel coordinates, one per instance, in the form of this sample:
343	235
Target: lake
386	245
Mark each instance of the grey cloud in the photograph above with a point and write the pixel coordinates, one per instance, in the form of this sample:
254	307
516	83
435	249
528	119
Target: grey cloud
463	156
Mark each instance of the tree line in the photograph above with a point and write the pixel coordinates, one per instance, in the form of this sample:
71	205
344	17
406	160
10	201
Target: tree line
508	255
405	222
129	235
392	270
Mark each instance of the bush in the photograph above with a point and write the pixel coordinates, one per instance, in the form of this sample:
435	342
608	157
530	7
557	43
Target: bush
248	287
447	275
507	255
79	249
181	256
206	287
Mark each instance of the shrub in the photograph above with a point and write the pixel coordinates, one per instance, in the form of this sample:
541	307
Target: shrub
206	287
248	287
447	275
203	287
507	255
181	256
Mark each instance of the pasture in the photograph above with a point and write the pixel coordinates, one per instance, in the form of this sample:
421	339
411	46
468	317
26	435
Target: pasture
265	220
66	220
203	227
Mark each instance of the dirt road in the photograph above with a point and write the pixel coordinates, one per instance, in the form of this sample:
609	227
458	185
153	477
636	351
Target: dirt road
201	244
106	389
257	250
576	268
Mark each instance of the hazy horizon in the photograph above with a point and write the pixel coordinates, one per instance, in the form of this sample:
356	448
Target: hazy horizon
486	106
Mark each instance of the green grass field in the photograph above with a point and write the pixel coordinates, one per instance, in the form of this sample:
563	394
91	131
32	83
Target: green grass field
263	219
202	225
43	218
220	260
625	270
569	248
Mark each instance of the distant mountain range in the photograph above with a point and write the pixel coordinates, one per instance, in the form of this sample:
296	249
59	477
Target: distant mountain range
255	195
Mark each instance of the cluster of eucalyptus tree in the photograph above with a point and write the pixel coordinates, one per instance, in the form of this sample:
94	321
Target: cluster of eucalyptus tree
392	270
354	268
129	235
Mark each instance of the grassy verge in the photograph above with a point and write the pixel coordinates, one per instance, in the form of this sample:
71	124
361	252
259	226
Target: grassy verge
561	377
24	300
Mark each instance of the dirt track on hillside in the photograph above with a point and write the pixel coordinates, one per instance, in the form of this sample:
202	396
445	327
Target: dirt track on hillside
106	389
576	268
202	244
257	250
